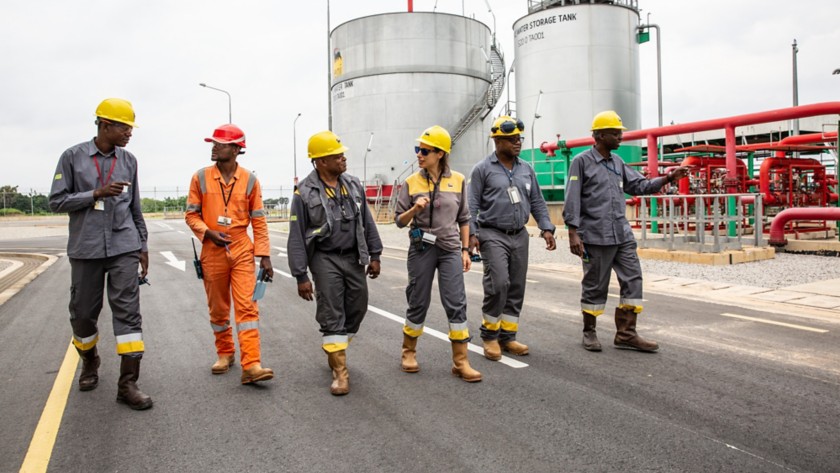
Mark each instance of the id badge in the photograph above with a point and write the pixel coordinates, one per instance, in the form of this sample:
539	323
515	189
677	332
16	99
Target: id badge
513	194
99	205
223	221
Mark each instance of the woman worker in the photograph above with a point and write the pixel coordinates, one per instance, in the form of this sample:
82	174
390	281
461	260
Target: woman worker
434	201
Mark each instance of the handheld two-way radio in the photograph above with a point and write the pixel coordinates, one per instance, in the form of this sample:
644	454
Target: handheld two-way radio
197	262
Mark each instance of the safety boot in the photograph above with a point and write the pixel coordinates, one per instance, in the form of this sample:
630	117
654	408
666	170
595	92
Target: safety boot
222	365
256	373
409	355
590	339
341	378
626	337
515	348
492	351
89	378
461	366
127	390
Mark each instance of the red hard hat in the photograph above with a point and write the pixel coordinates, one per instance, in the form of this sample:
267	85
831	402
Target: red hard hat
228	134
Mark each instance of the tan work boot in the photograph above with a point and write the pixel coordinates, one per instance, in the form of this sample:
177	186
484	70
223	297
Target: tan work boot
127	390
492	351
626	337
222	365
256	373
89	377
515	348
341	378
461	366
590	339
409	352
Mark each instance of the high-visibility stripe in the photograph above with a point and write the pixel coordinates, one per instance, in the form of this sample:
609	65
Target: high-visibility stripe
510	323
194	208
219	328
202	184
258	213
412	330
334	343
252	180
593	309
131	343
254	325
491	323
632	304
459	331
86	343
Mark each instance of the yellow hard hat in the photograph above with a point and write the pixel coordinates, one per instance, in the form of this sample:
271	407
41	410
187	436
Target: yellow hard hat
117	110
325	143
436	137
607	120
507	126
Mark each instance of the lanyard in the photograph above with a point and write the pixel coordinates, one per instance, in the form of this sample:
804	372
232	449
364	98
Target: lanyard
433	199
611	168
111	172
226	199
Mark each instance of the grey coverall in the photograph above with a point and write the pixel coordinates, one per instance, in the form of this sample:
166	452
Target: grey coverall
499	225
332	233
102	242
443	217
595	206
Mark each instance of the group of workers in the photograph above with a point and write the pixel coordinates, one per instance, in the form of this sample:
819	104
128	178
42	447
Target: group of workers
453	220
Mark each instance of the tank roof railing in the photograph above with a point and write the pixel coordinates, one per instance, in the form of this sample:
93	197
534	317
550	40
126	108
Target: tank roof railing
539	5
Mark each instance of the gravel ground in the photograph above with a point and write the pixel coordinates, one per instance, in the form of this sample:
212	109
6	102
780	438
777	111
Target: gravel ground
4	264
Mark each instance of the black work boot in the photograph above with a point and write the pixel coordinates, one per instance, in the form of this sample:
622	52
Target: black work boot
89	378
590	339
127	391
626	337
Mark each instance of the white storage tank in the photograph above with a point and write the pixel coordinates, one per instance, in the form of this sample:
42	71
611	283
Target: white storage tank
396	74
584	57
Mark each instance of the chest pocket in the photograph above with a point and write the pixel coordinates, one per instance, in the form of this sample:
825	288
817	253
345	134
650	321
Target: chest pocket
317	213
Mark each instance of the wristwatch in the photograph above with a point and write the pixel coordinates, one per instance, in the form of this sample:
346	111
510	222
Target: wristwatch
463	248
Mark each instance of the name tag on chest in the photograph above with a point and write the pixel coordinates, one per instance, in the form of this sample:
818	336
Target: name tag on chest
223	221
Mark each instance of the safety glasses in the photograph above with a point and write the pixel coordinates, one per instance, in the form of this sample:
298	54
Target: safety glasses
509	126
423	151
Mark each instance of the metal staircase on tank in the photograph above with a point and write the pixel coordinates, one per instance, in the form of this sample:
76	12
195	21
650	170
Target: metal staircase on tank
488	99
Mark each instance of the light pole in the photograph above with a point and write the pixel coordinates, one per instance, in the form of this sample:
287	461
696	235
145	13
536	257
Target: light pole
294	146
230	111
534	123
369	147
490	10
795	50
641	38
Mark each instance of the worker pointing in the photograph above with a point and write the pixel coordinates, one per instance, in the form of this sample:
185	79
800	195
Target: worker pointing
224	200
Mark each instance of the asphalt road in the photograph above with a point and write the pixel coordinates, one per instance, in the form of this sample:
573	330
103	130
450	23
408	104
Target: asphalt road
723	393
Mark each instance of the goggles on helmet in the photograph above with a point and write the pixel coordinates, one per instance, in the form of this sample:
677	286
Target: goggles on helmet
509	127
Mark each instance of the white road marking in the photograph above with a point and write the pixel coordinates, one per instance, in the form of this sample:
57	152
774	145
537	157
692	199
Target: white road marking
281	273
531	281
773	322
282	251
181	232
396	318
163	225
426	330
171	260
619	297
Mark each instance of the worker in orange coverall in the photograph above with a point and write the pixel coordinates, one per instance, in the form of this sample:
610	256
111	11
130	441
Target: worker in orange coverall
224	199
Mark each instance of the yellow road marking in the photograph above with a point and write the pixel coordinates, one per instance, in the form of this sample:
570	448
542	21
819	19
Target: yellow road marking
40	448
772	322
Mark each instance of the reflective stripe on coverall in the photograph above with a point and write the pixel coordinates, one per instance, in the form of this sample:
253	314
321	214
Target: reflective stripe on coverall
231	268
505	259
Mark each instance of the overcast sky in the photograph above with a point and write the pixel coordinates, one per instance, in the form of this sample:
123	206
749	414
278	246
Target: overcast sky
60	58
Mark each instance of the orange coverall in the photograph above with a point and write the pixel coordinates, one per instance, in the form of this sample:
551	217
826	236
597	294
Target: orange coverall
232	268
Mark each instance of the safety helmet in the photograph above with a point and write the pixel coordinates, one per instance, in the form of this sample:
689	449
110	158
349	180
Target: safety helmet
436	137
325	143
507	126
116	110
228	134
607	120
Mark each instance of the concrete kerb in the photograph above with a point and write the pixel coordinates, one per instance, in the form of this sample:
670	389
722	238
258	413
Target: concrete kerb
48	261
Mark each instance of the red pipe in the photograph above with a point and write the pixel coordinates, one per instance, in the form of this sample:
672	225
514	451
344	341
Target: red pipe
810	138
410	6
729	124
772	163
777	228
